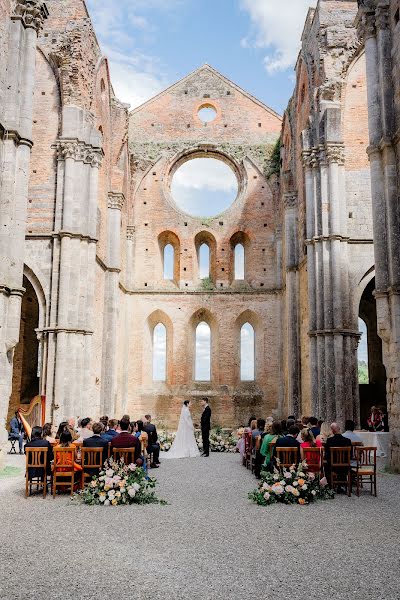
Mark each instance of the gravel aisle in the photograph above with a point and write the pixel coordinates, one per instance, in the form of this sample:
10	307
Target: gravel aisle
209	543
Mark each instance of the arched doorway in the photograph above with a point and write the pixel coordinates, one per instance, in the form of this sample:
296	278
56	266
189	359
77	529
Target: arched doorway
25	384
371	371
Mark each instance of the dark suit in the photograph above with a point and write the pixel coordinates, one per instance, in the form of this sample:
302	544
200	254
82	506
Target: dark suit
335	441
205	429
287	441
96	441
34	472
153	446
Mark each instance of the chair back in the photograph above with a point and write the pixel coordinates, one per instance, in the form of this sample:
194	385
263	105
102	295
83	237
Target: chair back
64	458
127	454
313	458
271	446
247	442
366	456
340	456
287	456
92	458
36	457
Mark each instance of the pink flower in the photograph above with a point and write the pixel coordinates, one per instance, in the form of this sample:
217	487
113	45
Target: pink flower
323	482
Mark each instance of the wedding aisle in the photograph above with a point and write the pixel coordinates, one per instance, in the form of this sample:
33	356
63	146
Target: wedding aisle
209	543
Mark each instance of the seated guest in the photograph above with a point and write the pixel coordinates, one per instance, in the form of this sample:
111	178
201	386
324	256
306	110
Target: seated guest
86	429
104	421
71	428
288	441
336	440
308	440
313	425
153	444
273	432
126	439
258	434
260	427
48	433
62	427
17	431
64	461
353	437
37	441
324	432
284	426
111	431
96	441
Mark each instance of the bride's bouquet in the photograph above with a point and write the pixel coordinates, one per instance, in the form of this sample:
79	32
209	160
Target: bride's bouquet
291	486
119	483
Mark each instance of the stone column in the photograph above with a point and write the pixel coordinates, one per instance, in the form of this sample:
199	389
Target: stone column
292	304
16	142
111	305
374	25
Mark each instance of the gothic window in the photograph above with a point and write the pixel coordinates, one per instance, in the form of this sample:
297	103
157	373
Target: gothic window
204	261
239	262
203	352
363	371
247	353
169	259
159	353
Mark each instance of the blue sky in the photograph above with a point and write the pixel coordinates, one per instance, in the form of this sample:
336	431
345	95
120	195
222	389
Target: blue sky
153	43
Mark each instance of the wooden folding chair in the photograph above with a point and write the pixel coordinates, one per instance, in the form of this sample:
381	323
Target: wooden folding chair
365	468
63	469
340	467
247	448
91	459
254	448
287	457
314	460
127	454
36	458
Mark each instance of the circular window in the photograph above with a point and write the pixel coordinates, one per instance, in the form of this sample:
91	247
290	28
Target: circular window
206	113
204	187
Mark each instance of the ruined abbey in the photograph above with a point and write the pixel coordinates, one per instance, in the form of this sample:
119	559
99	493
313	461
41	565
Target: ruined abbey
308	245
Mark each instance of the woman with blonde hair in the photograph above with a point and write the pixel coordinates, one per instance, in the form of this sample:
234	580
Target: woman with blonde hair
325	432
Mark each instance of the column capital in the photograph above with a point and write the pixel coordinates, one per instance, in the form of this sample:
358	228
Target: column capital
116	200
31	13
130	232
310	158
335	153
290	200
79	151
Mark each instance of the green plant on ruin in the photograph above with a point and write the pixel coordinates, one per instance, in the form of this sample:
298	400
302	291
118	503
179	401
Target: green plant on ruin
275	160
207	284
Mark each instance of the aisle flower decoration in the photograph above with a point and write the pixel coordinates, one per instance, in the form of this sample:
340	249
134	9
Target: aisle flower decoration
290	486
221	440
119	483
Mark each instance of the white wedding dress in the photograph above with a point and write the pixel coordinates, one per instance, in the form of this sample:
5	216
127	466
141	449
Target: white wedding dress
184	445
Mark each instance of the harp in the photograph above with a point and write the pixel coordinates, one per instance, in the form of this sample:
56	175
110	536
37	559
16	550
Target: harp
33	414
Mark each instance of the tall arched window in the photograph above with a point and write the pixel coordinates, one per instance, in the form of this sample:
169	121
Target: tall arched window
159	353
169	256
203	352
239	261
247	353
204	261
363	371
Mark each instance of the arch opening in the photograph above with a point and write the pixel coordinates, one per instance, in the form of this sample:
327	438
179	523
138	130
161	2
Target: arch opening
247	353
203	352
160	352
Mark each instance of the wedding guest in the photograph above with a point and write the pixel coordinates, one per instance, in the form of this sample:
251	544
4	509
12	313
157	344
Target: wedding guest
325	432
48	433
284	426
313	425
64	462
375	420
308	440
111	431
153	447
96	441
62	426
260	427
288	441
17	431
37	441
253	425
251	420
273	432
353	437
126	439
86	429
336	440
104	420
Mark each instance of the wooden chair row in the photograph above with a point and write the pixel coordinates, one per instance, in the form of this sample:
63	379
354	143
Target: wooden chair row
64	473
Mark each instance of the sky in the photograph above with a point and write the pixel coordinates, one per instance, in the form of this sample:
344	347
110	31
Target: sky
151	44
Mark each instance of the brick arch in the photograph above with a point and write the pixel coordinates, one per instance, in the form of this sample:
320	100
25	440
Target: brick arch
165	238
156	317
240	237
205	237
251	317
200	315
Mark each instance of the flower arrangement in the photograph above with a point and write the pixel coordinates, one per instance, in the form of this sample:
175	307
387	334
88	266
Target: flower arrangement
291	486
119	483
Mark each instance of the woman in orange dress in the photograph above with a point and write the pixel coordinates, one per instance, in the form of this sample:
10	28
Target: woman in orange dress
63	461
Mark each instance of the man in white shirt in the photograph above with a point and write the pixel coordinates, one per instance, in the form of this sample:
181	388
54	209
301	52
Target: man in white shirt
86	429
350	435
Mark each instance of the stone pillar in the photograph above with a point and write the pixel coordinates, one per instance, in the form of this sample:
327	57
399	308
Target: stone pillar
16	142
374	25
292	304
111	305
72	321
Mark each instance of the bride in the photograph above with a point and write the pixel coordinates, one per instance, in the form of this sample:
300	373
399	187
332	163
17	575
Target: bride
184	445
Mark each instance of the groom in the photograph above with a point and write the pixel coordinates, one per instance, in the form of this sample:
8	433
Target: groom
205	426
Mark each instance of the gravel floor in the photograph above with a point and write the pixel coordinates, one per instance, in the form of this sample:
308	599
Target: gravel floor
209	543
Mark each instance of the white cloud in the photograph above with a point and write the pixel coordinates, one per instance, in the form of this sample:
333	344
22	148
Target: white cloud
276	26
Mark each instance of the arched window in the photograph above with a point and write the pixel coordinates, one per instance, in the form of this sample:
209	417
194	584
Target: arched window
239	261
203	352
159	353
247	354
169	255
204	261
363	371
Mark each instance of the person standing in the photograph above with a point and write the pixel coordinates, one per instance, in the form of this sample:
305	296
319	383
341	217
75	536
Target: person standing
206	426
